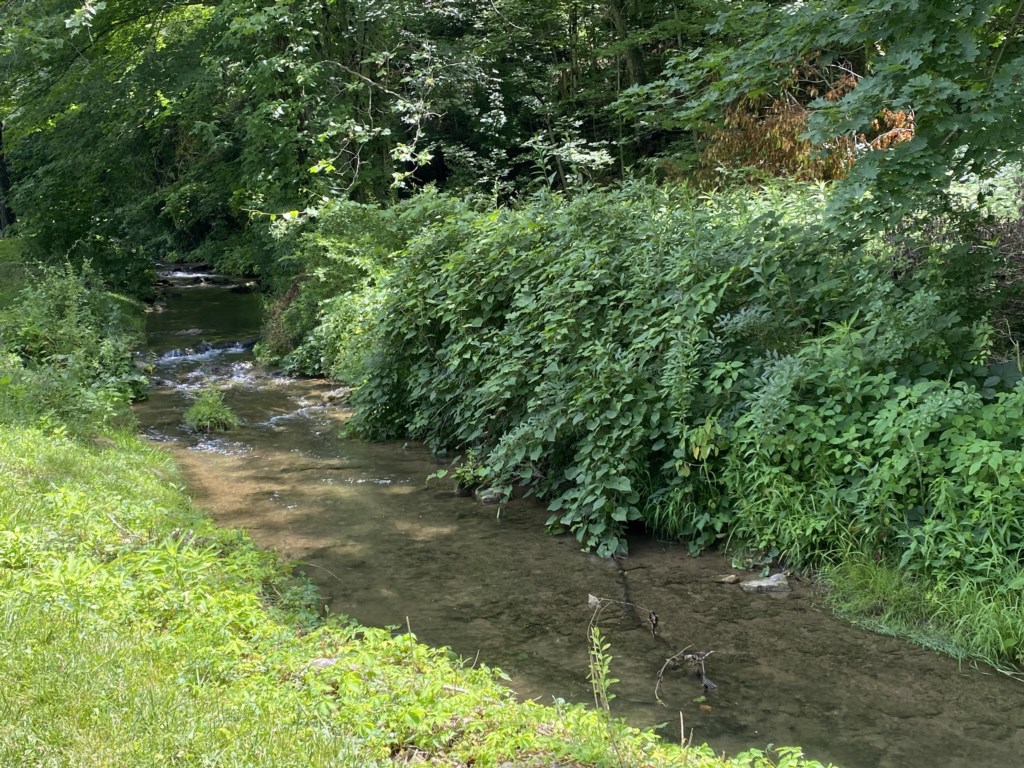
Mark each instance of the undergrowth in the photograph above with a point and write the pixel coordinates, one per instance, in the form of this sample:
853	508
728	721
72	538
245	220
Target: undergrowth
728	368
134	632
66	349
12	269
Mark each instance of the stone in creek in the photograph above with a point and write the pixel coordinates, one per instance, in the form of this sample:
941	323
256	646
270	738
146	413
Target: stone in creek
730	578
774	583
489	496
336	395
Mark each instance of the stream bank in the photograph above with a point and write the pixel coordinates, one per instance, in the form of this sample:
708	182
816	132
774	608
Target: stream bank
389	550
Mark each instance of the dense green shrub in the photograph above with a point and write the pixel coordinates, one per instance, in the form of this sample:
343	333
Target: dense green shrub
598	350
68	348
715	368
327	281
925	477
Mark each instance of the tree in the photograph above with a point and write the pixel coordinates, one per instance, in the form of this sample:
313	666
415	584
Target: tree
956	70
138	128
6	214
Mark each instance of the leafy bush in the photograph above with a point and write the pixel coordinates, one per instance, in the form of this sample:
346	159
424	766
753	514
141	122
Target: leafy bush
209	413
329	276
68	345
598	349
715	368
926	477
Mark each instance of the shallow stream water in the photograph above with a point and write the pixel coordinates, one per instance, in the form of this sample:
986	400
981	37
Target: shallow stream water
390	550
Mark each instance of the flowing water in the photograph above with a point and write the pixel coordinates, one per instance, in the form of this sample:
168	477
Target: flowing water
390	550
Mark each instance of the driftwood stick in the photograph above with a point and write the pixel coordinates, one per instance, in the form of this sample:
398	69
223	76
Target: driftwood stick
669	662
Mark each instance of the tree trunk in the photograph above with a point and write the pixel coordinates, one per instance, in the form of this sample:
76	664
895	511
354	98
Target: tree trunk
634	57
6	214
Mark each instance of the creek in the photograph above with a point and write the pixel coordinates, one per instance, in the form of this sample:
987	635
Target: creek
391	550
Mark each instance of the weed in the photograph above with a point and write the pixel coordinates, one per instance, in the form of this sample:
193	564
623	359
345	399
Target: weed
599	673
468	472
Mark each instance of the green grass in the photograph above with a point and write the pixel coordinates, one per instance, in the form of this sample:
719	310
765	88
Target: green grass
133	632
962	619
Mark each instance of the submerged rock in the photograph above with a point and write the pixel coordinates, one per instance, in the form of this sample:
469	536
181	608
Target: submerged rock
490	496
775	583
336	395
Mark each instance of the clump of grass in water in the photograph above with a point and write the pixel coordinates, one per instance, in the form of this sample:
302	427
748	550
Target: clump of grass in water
209	413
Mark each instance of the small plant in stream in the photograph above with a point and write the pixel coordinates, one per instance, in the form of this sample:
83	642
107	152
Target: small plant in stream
209	413
600	670
468	472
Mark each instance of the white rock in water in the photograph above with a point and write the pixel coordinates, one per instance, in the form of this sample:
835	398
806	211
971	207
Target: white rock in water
775	583
489	496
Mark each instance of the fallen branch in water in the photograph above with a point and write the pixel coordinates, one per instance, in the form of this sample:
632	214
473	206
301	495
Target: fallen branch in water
696	660
600	603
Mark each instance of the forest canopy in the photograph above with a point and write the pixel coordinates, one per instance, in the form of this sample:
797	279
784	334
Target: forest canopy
132	130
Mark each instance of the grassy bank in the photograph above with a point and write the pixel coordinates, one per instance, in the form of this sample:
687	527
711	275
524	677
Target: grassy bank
734	368
134	632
